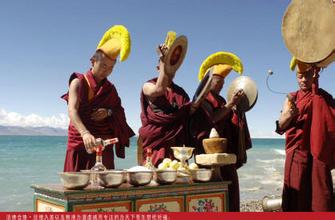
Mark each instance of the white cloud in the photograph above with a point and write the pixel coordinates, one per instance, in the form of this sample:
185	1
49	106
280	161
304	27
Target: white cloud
33	120
62	121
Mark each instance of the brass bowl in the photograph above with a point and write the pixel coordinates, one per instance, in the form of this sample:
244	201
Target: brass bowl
215	145
74	180
111	178
166	176
201	175
139	178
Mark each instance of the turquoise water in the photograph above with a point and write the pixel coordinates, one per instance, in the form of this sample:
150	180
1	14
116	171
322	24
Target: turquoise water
26	160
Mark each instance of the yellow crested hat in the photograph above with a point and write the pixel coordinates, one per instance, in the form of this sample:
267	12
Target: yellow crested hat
222	63
115	41
299	65
222	70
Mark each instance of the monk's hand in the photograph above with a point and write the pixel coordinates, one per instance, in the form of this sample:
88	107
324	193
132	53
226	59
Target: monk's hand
290	110
162	51
100	114
237	97
89	141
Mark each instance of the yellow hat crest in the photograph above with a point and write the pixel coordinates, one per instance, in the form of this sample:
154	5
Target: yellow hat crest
170	38
301	66
116	41
222	69
227	60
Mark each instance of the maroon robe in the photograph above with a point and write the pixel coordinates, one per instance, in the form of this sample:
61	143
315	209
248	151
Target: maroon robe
309	149
229	127
164	122
104	96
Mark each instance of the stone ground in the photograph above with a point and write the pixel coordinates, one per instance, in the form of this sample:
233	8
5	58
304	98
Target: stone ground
251	206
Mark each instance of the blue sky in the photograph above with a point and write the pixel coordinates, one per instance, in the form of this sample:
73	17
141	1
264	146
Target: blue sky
43	42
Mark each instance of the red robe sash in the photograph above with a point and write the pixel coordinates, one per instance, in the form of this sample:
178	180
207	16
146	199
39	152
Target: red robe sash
322	139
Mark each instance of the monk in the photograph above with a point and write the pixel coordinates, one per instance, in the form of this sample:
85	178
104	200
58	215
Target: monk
95	111
165	109
308	121
216	112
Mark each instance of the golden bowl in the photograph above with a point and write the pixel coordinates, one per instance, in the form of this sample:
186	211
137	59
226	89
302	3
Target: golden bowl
215	145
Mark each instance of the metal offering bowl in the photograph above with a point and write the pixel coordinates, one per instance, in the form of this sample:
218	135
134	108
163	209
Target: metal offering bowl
139	178
182	153
201	175
111	178
166	176
74	180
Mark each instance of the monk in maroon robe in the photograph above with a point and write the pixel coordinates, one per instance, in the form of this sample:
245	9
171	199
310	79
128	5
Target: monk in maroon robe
95	111
308	119
164	122
216	113
165	112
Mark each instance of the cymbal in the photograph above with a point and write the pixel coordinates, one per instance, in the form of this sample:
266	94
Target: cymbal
250	90
175	55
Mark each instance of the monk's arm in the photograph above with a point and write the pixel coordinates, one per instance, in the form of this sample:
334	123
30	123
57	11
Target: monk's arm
73	106
287	114
152	90
222	113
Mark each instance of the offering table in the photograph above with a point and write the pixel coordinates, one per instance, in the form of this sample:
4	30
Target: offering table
194	197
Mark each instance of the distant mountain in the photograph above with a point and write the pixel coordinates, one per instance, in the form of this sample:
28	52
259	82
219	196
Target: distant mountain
32	131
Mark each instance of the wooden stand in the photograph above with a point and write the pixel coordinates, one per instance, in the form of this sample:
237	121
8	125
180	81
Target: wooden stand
215	161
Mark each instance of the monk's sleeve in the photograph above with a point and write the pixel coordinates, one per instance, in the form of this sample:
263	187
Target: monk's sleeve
72	77
282	131
119	124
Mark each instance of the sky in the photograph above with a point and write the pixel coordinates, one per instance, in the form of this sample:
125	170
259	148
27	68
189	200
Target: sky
43	42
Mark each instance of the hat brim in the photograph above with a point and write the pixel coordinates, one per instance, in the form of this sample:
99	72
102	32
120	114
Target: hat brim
203	88
175	55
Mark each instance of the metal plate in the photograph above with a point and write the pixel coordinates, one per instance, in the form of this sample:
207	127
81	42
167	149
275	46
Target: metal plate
250	90
175	55
308	29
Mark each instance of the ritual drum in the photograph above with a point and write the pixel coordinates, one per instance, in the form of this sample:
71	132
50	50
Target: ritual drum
249	87
308	29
